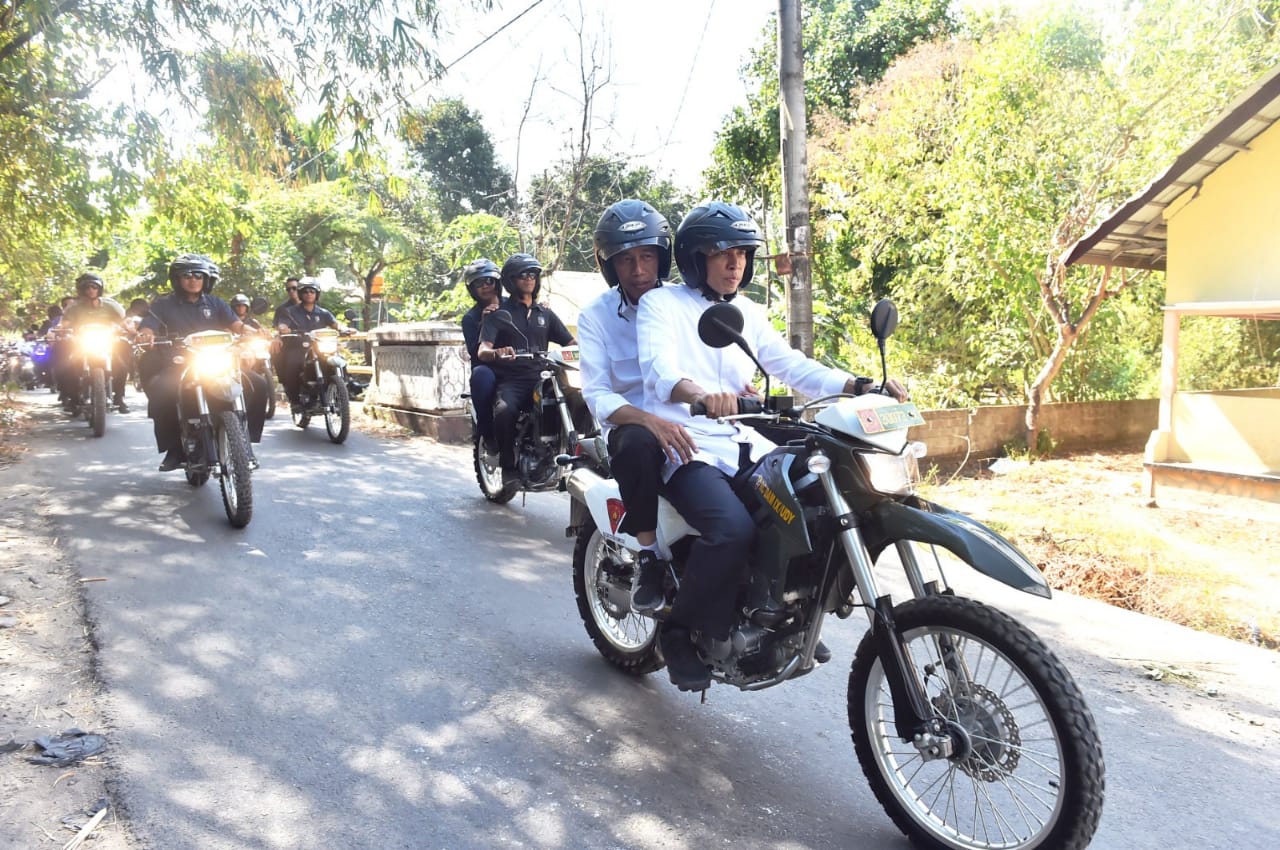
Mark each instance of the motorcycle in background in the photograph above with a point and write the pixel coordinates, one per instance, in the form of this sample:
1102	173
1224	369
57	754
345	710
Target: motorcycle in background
970	731
211	412
547	435
323	388
93	347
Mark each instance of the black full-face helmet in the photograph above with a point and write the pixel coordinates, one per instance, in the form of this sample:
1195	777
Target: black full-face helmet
629	224
707	229
88	279
309	283
516	265
193	263
481	269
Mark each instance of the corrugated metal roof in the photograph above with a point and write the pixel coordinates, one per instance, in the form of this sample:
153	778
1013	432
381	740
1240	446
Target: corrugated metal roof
1135	235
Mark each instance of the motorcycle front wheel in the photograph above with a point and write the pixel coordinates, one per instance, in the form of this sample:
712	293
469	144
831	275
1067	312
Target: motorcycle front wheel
601	577
1027	768
233	457
337	410
271	395
489	475
97	401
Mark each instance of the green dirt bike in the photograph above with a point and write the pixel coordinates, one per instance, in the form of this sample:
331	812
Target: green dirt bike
970	731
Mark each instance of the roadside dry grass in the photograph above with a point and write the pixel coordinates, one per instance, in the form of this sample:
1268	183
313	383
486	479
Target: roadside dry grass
1203	560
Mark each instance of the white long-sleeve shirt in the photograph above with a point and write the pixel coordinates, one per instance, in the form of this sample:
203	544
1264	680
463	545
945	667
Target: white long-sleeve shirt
611	376
670	351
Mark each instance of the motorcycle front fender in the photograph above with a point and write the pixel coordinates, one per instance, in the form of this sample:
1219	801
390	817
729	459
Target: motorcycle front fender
977	545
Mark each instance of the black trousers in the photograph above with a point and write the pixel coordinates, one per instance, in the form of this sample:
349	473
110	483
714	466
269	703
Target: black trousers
68	368
162	389
719	560
636	459
514	394
292	356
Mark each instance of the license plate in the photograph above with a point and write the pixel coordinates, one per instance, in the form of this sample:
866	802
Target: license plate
876	420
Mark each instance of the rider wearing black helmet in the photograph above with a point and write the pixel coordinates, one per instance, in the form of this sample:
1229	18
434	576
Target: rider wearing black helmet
633	251
714	248
306	315
481	278
191	307
240	306
535	326
93	308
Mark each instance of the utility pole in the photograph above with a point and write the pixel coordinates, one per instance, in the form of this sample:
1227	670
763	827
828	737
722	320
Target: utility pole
795	176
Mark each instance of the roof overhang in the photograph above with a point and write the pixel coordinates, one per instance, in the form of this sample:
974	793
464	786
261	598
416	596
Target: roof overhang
1135	235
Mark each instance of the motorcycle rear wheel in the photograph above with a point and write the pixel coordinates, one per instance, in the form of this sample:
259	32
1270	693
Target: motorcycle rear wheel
1028	770
626	639
489	476
337	410
236	480
97	401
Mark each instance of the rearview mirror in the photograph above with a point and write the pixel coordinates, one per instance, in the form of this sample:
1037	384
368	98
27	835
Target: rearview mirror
502	319
259	305
721	326
884	319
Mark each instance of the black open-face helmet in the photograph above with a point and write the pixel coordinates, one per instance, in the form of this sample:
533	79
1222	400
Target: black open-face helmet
193	263
240	299
309	283
629	224
481	269
516	265
707	229
89	279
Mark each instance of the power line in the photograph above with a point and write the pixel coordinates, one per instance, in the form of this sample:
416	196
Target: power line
430	80
675	121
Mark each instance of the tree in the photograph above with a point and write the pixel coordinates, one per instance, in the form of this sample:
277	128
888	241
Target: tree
567	200
451	147
847	44
74	165
971	168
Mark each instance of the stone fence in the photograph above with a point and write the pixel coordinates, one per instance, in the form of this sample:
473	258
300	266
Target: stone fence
420	372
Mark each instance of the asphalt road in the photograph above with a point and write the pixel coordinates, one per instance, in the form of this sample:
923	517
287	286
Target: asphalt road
384	660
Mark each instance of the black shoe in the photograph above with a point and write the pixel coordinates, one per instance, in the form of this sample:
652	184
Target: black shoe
646	589
489	445
120	404
172	460
821	653
684	667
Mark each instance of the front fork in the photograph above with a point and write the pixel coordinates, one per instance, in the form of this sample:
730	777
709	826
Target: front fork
913	715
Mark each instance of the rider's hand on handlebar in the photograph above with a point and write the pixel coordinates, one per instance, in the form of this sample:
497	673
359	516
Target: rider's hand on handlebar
505	353
720	404
145	336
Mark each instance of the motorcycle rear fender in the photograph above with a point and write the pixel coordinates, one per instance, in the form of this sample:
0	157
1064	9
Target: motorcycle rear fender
977	545
590	495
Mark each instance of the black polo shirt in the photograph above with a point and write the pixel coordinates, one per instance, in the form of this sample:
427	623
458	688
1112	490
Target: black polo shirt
537	327
172	316
301	320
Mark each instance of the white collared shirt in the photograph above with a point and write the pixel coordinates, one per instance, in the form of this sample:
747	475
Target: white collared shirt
611	375
670	351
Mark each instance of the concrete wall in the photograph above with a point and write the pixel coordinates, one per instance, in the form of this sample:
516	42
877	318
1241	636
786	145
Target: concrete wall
1076	426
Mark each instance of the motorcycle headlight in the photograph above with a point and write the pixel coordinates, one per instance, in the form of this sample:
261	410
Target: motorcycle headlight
97	341
259	346
895	475
327	341
212	362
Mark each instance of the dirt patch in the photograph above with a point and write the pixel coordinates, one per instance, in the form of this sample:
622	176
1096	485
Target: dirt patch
1198	559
